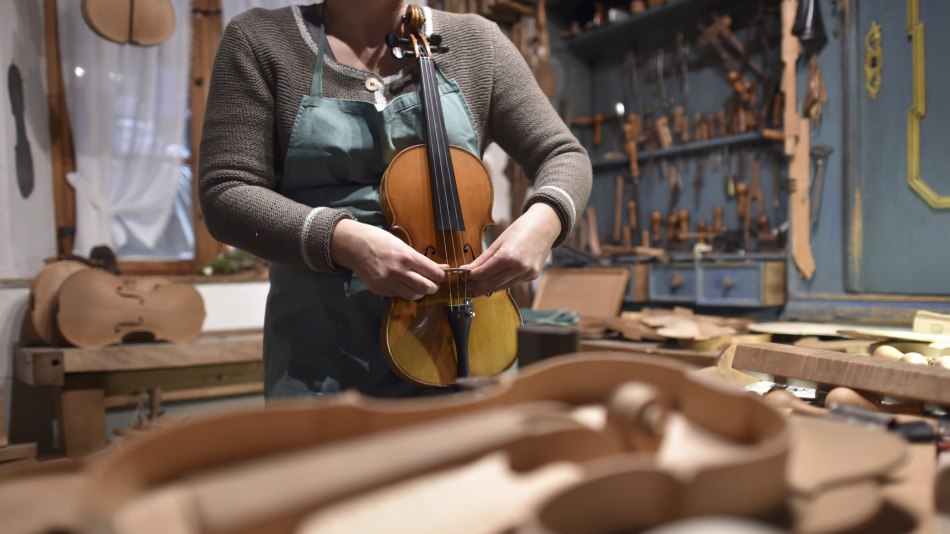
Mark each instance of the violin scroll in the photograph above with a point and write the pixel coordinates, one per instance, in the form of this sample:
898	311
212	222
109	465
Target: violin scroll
413	42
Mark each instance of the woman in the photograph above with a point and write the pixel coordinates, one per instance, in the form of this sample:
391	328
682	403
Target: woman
306	109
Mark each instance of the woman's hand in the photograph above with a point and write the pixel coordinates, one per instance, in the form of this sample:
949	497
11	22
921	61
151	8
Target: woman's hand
519	252
388	266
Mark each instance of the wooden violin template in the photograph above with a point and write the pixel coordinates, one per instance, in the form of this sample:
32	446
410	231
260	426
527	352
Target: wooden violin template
438	199
97	308
139	22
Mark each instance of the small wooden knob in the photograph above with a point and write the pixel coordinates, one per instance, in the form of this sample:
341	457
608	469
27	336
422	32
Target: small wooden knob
676	281
728	283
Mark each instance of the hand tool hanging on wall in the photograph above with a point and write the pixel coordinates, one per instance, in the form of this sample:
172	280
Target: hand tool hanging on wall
593	232
816	95
819	155
698	182
597	121
631	135
618	210
809	27
24	157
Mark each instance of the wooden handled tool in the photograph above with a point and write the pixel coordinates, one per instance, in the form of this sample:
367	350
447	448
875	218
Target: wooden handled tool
717	225
618	209
655	221
632	130
597	122
593	234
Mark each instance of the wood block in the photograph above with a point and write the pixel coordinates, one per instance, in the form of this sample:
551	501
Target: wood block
82	421
931	323
595	292
896	379
3	421
14	453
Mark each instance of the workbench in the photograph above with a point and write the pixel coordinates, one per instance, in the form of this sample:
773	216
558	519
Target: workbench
89	381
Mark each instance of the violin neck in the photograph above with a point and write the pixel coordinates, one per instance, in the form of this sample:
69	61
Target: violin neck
447	209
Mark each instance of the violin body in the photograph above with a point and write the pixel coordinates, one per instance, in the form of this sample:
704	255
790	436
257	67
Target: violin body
417	340
139	22
44	299
97	308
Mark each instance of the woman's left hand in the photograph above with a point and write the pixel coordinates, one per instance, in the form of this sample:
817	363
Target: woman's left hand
519	252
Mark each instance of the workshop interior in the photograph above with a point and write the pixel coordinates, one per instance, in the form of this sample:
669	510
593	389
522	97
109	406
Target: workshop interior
747	328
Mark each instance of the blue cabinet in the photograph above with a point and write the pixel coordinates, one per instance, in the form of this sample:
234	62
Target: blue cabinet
731	283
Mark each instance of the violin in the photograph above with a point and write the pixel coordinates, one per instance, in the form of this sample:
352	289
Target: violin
438	199
97	308
140	22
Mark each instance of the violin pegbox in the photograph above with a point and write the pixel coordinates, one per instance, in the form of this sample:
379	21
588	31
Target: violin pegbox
413	41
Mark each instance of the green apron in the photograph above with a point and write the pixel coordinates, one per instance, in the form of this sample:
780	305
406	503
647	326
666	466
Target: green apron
322	330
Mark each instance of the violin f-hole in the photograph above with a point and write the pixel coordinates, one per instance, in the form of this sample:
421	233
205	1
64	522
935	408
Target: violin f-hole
469	252
118	291
430	252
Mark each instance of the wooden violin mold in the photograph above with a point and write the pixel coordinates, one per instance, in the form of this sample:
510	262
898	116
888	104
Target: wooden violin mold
139	22
97	308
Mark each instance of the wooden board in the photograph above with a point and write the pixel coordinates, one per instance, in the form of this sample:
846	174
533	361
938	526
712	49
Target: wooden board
931	323
793	328
14	453
702	358
897	379
595	292
3	421
46	366
902	334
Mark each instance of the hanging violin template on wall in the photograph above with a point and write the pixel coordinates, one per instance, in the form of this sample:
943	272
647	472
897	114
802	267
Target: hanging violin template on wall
139	22
438	199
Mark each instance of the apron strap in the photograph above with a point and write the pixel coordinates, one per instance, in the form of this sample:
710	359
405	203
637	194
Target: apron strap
316	84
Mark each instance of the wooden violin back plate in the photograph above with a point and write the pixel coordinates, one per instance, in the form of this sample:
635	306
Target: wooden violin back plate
417	341
97	308
140	22
44	299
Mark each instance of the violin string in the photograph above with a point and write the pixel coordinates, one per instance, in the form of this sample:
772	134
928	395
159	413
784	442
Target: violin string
434	142
461	279
443	158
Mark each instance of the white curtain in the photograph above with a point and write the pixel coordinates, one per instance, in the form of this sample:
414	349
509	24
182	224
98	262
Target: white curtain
127	108
230	8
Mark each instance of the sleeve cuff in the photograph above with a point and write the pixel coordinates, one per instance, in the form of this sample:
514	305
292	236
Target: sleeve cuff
562	203
316	235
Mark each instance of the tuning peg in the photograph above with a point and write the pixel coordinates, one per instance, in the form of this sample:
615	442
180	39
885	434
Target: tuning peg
392	40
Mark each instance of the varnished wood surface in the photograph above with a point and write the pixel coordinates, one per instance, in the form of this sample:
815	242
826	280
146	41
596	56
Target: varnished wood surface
417	341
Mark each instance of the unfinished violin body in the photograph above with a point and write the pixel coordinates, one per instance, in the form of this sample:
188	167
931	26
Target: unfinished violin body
97	308
139	22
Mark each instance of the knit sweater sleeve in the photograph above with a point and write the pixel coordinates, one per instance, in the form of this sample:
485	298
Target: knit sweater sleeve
523	122
238	188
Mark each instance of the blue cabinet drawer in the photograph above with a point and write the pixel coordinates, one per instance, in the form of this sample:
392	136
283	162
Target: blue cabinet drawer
742	284
673	283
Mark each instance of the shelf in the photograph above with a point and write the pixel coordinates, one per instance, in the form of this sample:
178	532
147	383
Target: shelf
748	138
641	31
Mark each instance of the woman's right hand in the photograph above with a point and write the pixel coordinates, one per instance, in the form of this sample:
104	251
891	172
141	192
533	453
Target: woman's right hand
387	265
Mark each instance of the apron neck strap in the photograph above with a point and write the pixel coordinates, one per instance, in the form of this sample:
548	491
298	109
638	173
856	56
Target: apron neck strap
316	85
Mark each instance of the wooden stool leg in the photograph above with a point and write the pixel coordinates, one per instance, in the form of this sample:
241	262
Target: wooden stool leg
82	421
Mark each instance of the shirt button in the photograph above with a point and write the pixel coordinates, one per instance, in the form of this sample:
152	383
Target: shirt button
372	84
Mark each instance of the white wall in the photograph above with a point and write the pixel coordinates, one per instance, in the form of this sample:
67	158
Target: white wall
26	225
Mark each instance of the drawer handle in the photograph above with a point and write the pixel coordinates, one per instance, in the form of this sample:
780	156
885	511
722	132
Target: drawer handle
676	281
728	283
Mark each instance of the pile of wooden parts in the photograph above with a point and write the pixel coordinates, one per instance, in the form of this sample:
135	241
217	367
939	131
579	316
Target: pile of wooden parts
594	442
680	326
